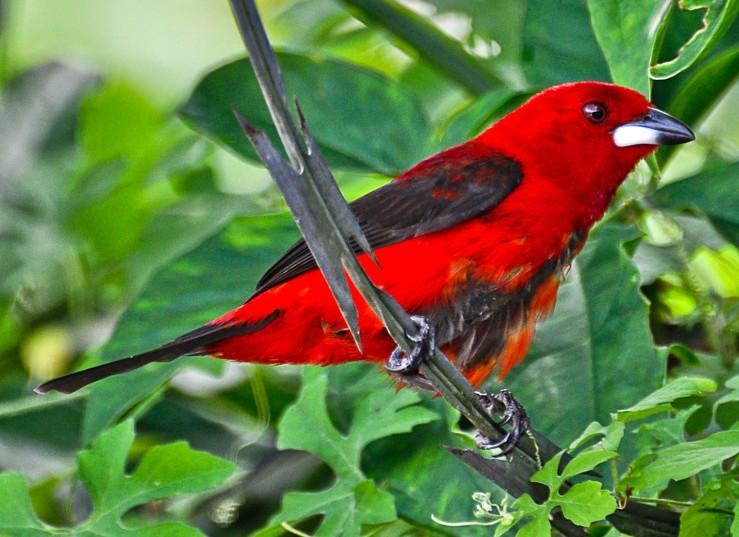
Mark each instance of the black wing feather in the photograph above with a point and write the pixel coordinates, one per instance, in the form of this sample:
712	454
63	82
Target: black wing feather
445	192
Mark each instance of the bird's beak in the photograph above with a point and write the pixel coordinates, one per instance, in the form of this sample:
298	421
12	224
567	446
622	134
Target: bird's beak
655	128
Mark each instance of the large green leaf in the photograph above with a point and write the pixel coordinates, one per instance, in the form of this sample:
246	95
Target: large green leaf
192	290
626	31
360	119
595	354
164	471
353	500
718	16
559	44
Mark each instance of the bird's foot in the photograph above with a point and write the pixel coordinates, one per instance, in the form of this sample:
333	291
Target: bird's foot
404	364
503	403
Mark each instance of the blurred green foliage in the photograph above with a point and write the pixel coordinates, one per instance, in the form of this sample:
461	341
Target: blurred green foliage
125	220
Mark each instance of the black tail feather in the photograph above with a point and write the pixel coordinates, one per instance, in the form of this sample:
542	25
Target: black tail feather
189	343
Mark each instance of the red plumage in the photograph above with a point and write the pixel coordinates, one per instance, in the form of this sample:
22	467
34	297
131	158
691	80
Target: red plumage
475	238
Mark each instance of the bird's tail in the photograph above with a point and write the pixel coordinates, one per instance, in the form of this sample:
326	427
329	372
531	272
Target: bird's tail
194	342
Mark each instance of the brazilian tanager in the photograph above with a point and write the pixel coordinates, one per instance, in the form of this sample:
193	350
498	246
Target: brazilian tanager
476	239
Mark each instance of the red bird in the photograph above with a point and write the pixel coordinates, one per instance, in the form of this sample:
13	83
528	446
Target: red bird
474	239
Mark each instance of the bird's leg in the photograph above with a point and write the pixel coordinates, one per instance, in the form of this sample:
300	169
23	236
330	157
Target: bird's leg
405	365
503	403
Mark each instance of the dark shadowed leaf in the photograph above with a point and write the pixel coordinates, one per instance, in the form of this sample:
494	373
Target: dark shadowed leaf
713	192
353	500
561	48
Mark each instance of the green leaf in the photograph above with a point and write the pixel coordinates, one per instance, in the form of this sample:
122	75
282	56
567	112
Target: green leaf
548	474
16	512
561	48
706	84
702	518
175	301
735	522
353	500
727	416
136	122
626	31
595	354
586	503
661	433
586	461
380	128
538	527
684	460
717	19
164	471
660	400
712	191
611	435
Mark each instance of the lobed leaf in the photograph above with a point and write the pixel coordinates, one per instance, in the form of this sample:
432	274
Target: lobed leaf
164	471
586	503
353	500
16	512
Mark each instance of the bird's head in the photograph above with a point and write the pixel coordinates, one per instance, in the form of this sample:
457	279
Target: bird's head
587	136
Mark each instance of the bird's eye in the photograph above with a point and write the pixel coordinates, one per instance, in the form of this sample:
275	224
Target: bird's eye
595	112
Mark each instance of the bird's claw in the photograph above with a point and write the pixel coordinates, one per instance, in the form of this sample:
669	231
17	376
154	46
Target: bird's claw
503	402
425	343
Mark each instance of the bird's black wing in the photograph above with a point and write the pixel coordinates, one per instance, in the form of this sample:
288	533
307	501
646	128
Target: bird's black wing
447	190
